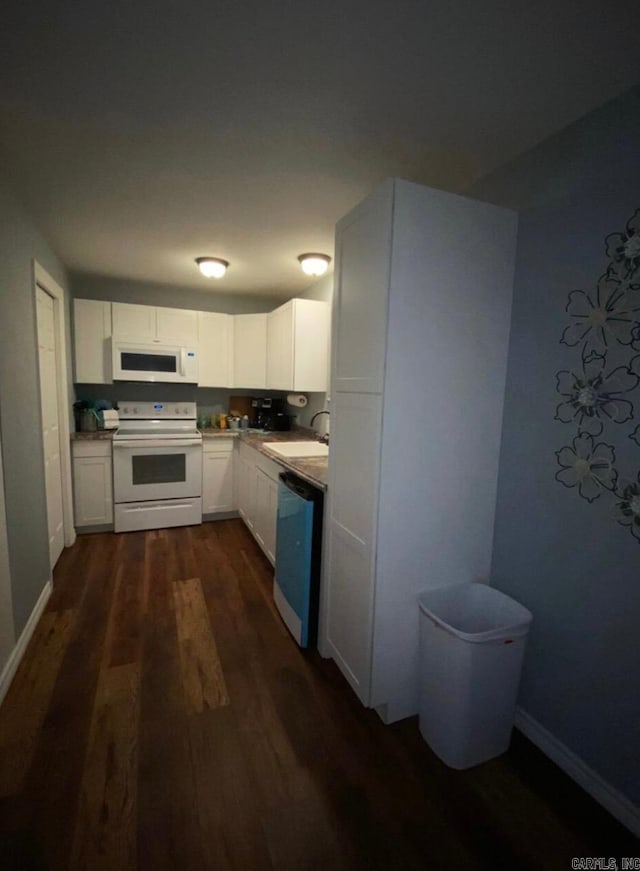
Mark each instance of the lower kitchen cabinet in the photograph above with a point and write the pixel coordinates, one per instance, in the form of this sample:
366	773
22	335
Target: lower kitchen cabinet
257	497
217	476
92	483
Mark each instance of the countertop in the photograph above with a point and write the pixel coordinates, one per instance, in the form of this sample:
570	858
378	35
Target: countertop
98	435
311	469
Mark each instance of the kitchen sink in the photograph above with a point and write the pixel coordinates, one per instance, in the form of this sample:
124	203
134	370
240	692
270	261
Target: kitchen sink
297	450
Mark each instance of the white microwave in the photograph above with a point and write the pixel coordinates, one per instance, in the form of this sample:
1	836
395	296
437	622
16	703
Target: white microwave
133	361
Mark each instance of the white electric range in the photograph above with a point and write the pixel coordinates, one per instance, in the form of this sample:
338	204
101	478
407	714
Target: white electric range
157	466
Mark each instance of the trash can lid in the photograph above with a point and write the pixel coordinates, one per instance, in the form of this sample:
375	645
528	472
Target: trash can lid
476	612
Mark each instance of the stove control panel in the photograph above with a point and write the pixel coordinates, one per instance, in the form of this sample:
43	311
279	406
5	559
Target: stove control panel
157	410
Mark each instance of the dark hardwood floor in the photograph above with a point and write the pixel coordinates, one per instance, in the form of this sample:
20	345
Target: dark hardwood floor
162	718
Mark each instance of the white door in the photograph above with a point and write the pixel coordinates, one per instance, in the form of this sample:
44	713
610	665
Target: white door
47	358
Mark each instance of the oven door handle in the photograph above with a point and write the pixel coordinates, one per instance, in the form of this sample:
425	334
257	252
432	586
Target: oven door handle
143	444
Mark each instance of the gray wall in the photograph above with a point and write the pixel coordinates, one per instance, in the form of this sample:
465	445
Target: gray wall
84	286
20	418
565	559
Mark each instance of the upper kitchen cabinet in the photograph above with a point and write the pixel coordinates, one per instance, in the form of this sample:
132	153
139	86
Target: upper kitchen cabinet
148	323
423	288
250	351
92	345
361	293
215	342
297	334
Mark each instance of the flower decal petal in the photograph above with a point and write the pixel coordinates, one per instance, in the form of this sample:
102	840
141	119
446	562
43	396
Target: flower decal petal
633	224
578	304
614	246
589	489
575	333
627	508
635	435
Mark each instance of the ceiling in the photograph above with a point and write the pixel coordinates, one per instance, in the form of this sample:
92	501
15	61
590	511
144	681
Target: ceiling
145	134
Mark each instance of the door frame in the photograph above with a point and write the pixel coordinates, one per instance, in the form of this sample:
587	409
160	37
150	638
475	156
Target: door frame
44	281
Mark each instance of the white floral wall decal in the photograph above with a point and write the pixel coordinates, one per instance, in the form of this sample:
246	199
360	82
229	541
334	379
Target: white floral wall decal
597	395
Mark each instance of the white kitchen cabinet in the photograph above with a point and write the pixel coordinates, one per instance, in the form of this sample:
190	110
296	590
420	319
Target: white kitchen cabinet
92	483
266	513
250	351
297	346
177	326
92	345
257	488
420	351
217	476
149	323
133	323
215	344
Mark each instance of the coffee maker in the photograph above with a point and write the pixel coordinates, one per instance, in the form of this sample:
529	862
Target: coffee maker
269	414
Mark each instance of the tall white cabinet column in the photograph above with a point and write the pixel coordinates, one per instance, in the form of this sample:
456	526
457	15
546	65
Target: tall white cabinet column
421	325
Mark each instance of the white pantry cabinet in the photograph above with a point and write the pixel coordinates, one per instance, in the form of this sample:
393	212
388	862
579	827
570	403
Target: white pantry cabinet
297	334
215	344
417	326
149	323
92	345
92	483
257	496
250	351
217	475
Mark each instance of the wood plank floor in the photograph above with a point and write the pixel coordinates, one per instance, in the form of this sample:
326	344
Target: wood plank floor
162	718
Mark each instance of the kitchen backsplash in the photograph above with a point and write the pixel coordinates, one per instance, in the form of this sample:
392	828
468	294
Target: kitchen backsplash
210	400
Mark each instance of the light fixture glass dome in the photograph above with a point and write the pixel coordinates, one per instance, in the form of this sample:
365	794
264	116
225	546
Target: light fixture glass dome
212	267
314	264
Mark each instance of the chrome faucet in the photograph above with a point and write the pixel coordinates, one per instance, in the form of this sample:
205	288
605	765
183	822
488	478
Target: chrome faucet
323	438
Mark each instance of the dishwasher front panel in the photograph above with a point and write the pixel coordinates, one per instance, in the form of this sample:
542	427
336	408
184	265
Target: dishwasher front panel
297	572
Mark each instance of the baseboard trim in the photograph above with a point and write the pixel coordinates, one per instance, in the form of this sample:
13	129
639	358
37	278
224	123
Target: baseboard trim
610	798
18	651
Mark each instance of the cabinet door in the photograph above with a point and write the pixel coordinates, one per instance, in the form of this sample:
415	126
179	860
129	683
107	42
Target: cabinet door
93	493
271	520
215	344
280	348
91	337
311	345
248	477
217	480
353	500
133	323
363	257
177	326
250	351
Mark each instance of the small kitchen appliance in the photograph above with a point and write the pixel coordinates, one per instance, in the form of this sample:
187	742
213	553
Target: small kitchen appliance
157	466
268	413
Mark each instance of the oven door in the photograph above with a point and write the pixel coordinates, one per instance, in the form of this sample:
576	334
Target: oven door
151	470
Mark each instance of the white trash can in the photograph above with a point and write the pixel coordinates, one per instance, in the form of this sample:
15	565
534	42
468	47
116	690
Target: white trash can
472	642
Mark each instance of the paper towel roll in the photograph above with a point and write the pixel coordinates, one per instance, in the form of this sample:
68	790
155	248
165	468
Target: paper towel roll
298	400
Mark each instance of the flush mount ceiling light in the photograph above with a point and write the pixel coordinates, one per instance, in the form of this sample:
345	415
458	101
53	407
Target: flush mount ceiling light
212	267
314	264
